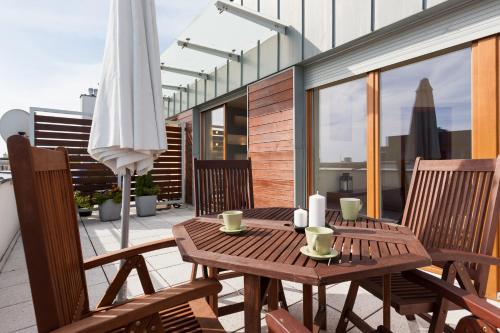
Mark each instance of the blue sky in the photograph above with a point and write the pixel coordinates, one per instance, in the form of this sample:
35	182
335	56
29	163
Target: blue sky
51	50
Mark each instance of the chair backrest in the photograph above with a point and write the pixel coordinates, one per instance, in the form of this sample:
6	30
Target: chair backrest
454	204
221	185
49	228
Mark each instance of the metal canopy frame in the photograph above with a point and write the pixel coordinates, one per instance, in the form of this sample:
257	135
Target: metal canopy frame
205	49
184	72
253	16
176	88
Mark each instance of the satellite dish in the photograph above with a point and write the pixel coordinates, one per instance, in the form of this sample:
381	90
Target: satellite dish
14	122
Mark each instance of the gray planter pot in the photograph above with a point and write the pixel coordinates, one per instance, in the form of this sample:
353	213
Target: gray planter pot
146	205
110	211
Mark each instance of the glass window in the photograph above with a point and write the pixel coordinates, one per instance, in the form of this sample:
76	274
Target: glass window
425	110
340	161
236	147
213	134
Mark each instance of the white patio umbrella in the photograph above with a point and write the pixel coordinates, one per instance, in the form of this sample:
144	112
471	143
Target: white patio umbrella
128	127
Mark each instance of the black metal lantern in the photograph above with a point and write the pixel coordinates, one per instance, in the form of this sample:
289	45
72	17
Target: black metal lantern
345	182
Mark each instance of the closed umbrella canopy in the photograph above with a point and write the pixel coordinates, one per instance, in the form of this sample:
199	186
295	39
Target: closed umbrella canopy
128	128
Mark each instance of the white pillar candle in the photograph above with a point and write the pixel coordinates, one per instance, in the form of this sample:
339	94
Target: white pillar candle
317	209
300	218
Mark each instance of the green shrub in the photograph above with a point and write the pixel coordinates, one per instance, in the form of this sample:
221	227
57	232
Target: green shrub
115	194
144	185
83	201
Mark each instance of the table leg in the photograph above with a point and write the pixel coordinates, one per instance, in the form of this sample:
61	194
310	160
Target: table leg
387	302
213	300
273	295
253	303
307	306
322	307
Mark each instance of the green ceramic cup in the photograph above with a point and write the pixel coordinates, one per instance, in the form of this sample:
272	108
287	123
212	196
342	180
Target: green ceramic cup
319	240
350	208
232	219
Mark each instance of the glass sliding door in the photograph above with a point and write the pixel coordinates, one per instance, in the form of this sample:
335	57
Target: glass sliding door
425	111
213	134
340	141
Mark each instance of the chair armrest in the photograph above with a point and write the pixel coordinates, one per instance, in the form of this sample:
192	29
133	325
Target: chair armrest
473	324
280	321
116	317
127	252
442	255
473	303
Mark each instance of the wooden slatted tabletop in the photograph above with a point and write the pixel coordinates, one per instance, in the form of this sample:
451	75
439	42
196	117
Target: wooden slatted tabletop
270	248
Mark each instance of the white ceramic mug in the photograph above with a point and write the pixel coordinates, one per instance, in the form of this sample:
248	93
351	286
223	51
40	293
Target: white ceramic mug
350	208
319	240
232	219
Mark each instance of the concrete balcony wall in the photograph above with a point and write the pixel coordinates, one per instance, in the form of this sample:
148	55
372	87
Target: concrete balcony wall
9	222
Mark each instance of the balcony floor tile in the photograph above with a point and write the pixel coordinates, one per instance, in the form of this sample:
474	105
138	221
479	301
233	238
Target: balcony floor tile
167	269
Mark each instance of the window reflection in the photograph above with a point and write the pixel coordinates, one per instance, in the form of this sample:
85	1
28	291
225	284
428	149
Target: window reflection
213	132
425	110
340	163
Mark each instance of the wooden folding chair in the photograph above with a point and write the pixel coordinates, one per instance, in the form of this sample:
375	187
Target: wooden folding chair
485	317
49	228
452	207
222	185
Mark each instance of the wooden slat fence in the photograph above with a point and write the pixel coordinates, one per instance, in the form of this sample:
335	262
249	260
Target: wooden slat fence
89	175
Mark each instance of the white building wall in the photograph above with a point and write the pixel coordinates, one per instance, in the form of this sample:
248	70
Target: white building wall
234	75
9	222
464	24
291	43
221	80
252	4
268	57
191	95
390	11
319	26
431	3
352	20
269	8
250	66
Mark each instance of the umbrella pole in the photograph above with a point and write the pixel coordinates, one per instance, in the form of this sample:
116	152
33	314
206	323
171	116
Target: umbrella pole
125	224
125	209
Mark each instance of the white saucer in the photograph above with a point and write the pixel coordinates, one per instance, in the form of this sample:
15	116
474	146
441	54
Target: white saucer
234	231
305	251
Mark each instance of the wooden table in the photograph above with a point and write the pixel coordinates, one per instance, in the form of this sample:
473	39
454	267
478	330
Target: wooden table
270	248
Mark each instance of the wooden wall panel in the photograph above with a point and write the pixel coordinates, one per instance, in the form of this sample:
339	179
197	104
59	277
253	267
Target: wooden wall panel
486	118
270	140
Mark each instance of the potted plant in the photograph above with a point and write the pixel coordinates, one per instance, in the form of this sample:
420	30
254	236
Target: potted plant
146	195
109	202
83	203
